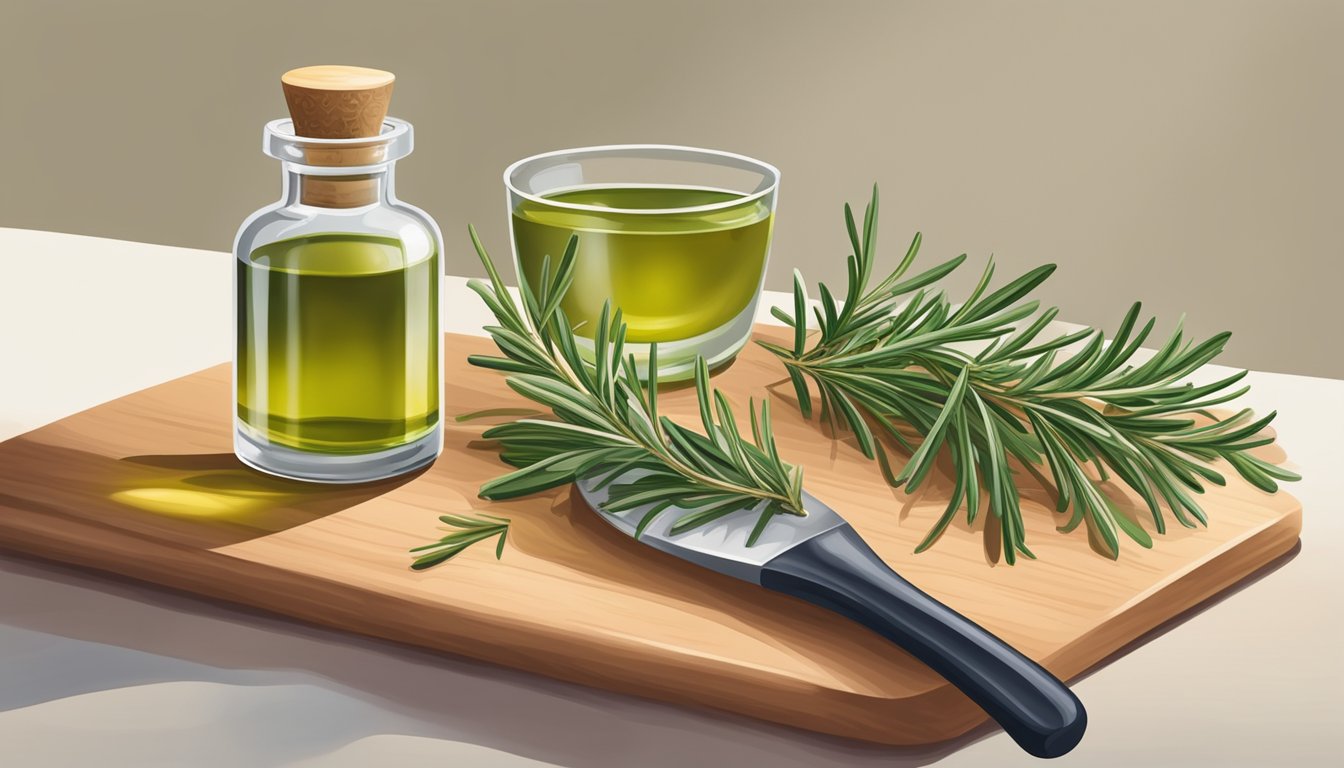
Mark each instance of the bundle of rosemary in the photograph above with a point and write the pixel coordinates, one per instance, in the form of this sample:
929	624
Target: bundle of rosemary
606	421
895	352
887	354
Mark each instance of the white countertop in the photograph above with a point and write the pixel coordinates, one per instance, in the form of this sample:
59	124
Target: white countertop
104	671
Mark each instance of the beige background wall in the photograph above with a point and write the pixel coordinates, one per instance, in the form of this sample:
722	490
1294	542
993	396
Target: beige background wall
1187	154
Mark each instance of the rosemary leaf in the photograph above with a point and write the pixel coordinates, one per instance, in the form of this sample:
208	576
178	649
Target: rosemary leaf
469	530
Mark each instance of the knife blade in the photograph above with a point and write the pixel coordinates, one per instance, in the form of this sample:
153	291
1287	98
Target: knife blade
821	559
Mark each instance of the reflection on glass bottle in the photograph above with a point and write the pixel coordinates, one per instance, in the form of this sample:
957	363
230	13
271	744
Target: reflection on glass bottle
336	373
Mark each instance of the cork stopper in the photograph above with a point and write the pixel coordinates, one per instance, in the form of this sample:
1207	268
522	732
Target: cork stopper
337	102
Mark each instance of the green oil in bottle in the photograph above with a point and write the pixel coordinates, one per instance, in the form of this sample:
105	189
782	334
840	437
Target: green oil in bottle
674	274
338	343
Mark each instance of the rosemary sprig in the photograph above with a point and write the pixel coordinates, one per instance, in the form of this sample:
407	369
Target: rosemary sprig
470	530
894	352
607	423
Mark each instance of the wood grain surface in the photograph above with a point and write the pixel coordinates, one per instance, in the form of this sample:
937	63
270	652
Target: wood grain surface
147	487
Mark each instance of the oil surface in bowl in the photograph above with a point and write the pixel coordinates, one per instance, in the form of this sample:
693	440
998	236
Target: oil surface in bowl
673	273
338	343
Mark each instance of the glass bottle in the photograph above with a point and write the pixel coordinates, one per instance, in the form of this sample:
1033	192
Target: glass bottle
339	346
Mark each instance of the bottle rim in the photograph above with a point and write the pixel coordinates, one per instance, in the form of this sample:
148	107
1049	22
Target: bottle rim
340	155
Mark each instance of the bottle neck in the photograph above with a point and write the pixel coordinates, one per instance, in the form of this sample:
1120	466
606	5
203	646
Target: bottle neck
325	191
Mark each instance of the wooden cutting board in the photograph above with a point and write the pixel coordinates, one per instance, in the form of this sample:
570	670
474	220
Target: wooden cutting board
147	487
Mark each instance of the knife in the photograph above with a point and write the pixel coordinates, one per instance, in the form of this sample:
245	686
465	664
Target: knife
820	558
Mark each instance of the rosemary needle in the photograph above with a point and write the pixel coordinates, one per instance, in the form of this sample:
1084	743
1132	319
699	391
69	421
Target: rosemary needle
469	530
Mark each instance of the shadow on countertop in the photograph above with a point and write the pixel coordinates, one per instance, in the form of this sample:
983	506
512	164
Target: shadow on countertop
433	695
439	696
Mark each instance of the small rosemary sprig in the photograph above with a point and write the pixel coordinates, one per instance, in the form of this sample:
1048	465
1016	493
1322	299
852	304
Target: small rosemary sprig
607	423
470	530
895	352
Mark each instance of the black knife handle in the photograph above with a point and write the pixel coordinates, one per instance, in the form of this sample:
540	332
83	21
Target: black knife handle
838	571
